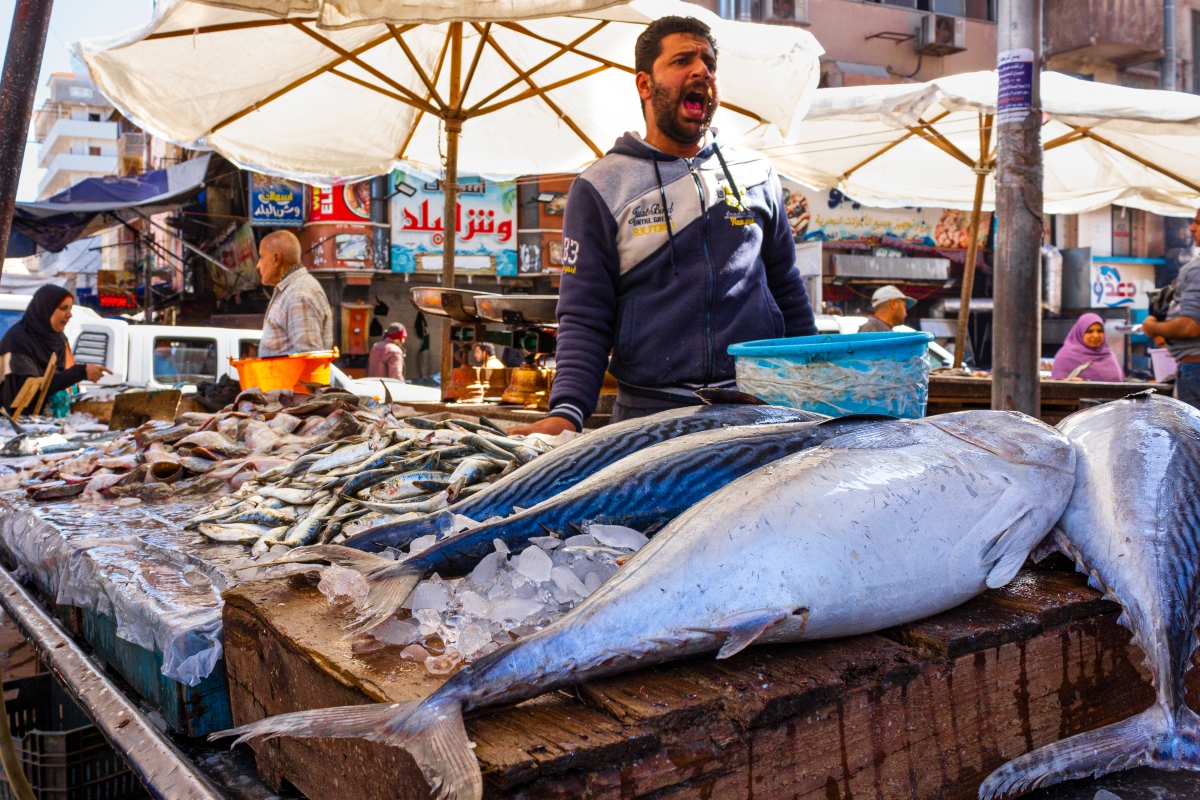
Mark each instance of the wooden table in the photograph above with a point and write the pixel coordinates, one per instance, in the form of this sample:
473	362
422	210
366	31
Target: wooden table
1059	398
921	711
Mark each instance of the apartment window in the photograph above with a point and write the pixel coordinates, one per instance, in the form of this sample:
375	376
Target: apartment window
93	117
93	151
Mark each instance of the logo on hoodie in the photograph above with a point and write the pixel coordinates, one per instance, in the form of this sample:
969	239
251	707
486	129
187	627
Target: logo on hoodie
649	219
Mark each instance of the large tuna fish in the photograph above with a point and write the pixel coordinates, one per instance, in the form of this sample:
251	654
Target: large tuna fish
1133	525
883	525
641	491
565	466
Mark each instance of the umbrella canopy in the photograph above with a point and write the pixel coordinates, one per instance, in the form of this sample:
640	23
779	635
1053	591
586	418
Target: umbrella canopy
287	96
920	144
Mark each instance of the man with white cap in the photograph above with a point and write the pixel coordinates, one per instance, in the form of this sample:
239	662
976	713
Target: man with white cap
890	307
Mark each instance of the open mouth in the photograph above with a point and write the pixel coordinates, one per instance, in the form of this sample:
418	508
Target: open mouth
695	104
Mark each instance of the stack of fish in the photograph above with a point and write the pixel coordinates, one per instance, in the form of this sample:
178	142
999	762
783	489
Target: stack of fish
199	452
388	474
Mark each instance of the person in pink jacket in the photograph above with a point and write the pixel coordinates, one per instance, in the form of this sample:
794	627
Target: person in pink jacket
387	356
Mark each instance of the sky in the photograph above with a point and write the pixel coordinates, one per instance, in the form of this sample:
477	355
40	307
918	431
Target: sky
70	21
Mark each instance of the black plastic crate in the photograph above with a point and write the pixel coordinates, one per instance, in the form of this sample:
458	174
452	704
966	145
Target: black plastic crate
64	754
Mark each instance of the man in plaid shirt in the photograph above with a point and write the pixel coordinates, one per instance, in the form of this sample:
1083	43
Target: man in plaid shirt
298	318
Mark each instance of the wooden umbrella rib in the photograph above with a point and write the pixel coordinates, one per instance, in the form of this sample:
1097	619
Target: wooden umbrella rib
223	28
1144	162
437	76
1067	138
513	26
296	84
528	93
526	74
942	143
484	36
412	59
381	90
743	111
358	62
553	106
904	138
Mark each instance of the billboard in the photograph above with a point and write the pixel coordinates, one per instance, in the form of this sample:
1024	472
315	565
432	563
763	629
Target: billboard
275	202
485	222
345	202
1118	284
829	216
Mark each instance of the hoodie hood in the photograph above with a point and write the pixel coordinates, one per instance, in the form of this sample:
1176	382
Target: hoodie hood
632	144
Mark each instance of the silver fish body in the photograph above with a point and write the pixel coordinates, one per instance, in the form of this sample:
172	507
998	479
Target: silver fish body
401	487
1133	525
343	457
305	530
881	526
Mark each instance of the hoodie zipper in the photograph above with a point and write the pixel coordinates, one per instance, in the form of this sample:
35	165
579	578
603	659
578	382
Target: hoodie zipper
712	278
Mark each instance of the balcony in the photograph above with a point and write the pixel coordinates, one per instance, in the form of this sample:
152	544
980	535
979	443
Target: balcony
131	149
63	131
72	163
1116	33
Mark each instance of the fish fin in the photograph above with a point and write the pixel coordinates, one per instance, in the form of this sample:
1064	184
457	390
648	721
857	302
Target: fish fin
714	396
883	436
343	722
1047	547
1011	532
747	626
1151	739
388	586
357	560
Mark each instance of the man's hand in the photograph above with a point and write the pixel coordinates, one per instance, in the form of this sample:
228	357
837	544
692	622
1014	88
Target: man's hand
96	371
551	426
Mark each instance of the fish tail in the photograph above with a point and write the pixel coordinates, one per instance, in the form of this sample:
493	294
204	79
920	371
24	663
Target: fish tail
388	587
1155	738
431	731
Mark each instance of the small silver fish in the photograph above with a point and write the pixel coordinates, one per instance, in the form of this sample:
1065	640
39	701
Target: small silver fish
305	530
238	533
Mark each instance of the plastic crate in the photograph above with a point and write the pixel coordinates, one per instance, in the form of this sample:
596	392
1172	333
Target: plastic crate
64	755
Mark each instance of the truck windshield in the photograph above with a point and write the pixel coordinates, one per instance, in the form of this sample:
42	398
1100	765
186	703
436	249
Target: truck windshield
184	360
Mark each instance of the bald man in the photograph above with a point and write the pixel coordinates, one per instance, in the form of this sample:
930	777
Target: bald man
298	318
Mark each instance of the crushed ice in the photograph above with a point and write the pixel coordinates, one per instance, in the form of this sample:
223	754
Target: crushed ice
506	597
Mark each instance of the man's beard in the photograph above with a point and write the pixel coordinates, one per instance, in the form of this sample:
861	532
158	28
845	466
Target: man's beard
665	106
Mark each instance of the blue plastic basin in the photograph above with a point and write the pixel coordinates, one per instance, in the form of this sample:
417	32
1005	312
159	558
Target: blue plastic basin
839	374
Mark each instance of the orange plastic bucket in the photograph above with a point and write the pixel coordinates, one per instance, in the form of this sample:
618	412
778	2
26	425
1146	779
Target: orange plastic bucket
284	372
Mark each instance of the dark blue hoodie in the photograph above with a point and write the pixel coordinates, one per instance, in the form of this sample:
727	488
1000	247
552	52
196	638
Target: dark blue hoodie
668	305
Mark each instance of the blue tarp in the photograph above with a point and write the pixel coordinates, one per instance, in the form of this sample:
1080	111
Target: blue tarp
84	208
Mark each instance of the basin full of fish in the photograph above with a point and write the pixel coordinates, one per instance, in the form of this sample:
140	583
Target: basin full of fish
198	452
335	489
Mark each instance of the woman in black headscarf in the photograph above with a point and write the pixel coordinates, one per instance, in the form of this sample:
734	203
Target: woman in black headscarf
34	338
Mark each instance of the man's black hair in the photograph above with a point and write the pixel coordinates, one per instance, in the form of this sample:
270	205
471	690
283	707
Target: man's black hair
649	44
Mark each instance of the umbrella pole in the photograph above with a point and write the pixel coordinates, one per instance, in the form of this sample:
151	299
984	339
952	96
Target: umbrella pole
968	281
450	187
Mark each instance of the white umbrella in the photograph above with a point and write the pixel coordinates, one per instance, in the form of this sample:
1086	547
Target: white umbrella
280	93
931	144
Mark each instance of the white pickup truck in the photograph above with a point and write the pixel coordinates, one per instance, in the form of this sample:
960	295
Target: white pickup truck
165	356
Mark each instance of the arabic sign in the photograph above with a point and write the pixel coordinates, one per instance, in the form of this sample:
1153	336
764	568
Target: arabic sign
346	202
830	216
485	224
237	253
1121	285
275	202
1015	75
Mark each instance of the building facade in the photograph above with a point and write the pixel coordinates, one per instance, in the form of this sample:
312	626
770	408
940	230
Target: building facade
77	132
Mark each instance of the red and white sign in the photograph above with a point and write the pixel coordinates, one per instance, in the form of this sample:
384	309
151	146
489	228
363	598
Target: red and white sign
347	202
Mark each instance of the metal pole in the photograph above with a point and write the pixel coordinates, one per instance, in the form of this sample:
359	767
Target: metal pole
450	187
968	284
381	235
1016	334
18	85
1170	70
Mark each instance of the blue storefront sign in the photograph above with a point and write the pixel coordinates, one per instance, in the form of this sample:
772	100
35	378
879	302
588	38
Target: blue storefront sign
275	202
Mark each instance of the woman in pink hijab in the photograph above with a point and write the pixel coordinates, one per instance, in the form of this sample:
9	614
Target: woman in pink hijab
1086	355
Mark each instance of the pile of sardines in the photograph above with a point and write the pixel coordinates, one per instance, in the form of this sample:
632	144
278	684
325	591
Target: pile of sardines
198	453
384	476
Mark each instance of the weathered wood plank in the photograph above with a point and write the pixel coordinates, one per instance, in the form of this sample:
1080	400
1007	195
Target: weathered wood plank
925	711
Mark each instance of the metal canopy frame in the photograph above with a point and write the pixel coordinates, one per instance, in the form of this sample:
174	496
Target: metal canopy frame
426	98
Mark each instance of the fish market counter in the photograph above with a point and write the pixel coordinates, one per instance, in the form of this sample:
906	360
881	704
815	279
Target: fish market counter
144	593
1059	398
925	710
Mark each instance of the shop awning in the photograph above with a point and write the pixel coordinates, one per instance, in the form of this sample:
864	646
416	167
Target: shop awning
95	203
